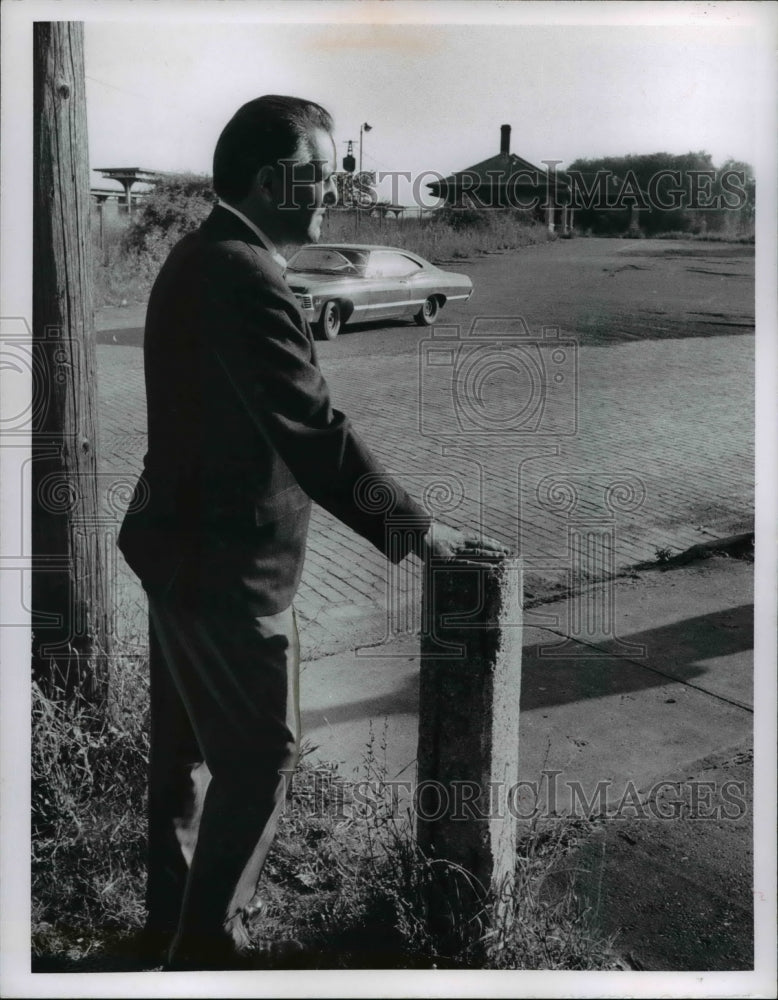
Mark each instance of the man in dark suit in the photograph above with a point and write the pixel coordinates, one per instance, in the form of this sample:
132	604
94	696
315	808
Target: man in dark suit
241	437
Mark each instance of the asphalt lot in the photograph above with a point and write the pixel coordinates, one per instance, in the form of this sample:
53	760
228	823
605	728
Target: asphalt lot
597	291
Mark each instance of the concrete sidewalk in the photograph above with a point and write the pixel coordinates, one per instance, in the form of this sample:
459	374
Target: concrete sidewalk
658	734
673	685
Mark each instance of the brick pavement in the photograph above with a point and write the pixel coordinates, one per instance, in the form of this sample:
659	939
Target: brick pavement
667	425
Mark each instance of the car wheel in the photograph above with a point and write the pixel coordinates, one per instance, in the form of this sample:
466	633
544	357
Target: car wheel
330	321
428	313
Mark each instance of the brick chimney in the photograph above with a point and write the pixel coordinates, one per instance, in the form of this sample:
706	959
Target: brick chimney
505	139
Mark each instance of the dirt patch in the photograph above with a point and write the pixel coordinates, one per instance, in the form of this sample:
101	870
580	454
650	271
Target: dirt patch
700	250
740	546
672	878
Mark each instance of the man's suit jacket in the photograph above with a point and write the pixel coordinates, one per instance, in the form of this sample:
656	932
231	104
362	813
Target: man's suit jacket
241	434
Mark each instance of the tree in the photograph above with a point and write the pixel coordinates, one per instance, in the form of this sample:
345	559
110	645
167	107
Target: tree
69	618
356	190
681	192
177	205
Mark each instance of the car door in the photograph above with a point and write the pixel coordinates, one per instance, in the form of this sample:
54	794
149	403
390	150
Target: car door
389	273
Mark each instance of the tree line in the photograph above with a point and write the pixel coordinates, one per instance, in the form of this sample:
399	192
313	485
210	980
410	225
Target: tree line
683	193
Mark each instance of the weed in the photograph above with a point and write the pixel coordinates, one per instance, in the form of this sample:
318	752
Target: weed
543	920
345	875
745	235
88	819
440	237
121	277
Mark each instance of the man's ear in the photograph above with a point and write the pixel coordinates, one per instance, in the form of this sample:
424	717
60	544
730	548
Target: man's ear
266	183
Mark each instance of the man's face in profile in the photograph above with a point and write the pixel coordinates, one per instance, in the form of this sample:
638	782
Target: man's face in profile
308	188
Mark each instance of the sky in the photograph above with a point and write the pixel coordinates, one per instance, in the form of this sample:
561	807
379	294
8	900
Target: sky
161	86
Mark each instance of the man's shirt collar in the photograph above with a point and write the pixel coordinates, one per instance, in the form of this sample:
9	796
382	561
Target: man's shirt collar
277	257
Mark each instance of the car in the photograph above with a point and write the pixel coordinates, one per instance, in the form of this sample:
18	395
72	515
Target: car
338	283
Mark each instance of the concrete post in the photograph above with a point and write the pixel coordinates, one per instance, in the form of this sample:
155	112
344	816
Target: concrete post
101	200
127	185
468	752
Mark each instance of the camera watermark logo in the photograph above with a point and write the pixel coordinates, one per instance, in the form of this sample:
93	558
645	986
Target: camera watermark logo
498	379
94	505
588	504
28	370
453	496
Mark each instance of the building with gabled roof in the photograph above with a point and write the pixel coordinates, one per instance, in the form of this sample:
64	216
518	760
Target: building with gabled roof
507	180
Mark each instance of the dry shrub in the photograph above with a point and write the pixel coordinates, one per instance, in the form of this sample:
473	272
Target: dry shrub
88	816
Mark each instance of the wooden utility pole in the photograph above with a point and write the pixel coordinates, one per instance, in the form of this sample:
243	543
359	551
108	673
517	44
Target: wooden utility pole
69	619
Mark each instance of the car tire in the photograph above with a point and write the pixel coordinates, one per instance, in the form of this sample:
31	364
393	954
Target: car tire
330	321
428	313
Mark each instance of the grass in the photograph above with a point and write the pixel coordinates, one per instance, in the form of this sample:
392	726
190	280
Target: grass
360	897
123	279
88	818
747	237
345	876
120	276
123	276
444	238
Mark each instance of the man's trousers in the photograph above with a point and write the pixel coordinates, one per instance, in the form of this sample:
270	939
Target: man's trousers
225	729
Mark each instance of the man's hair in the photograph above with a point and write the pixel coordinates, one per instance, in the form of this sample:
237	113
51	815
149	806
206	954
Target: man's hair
264	131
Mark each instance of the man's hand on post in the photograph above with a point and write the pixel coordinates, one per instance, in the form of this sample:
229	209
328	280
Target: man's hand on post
445	542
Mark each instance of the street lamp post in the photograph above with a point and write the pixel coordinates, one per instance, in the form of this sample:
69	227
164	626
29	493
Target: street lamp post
364	127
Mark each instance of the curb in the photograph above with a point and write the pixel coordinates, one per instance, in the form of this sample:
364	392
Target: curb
740	546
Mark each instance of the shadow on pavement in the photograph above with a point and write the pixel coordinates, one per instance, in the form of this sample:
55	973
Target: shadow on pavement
561	679
133	336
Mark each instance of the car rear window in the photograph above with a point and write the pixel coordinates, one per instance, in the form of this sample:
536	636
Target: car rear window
328	259
385	264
